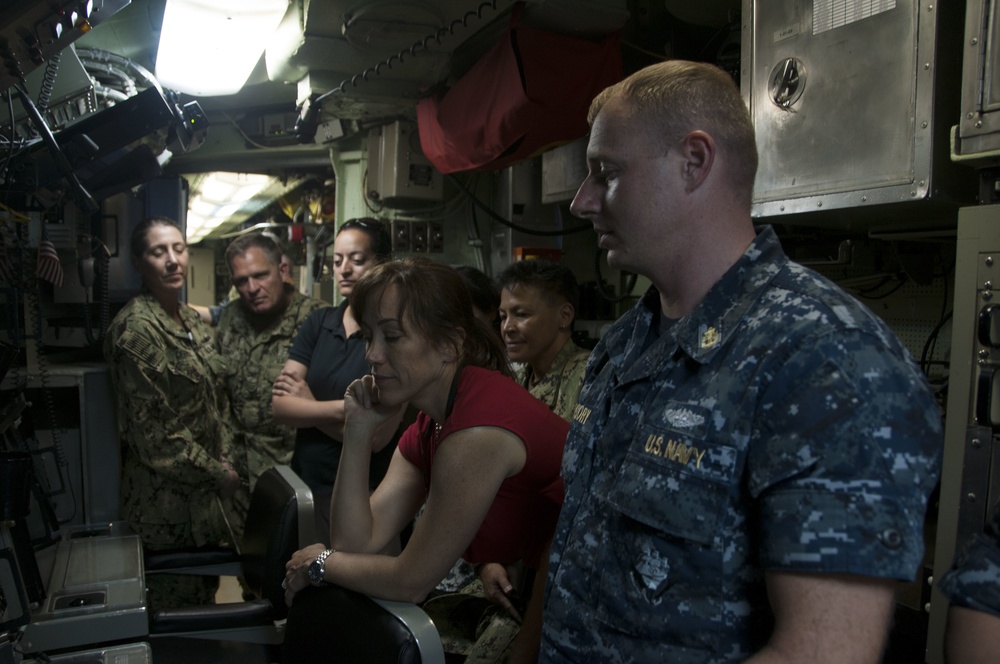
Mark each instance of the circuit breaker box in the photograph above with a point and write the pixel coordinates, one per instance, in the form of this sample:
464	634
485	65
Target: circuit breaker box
398	172
852	101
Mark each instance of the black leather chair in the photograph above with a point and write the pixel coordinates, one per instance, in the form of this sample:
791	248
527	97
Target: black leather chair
332	624
279	522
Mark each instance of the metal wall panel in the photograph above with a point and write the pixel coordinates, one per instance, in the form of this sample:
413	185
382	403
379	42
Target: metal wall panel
977	136
844	96
972	429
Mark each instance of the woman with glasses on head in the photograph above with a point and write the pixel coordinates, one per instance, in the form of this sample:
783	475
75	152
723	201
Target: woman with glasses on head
172	414
327	355
483	455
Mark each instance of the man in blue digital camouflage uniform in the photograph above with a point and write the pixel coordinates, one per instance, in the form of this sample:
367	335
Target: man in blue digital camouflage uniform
972	586
748	465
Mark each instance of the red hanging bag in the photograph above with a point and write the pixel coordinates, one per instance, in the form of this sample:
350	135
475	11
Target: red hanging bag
529	93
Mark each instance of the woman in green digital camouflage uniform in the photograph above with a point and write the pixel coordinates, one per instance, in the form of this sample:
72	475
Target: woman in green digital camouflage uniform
176	443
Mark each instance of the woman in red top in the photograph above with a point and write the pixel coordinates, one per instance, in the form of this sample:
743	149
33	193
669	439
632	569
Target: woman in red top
483	454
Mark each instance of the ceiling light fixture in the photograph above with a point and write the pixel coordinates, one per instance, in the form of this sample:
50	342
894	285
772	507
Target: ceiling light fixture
219	197
210	47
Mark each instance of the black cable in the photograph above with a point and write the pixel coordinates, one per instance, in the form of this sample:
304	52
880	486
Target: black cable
475	225
84	199
602	290
10	151
102	265
510	224
57	432
49	81
98	63
944	309
902	282
931	338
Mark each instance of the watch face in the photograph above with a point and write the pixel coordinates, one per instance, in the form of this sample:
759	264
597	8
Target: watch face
315	572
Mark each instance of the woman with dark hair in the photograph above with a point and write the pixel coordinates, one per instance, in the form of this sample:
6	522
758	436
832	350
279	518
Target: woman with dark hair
327	355
485	295
172	414
538	303
483	454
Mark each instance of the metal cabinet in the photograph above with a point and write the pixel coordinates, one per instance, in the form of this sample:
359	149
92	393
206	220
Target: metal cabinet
970	475
852	101
977	136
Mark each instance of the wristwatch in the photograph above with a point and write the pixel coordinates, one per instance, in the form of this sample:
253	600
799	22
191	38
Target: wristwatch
317	568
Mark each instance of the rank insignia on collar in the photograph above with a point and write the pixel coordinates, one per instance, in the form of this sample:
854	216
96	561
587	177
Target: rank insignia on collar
709	338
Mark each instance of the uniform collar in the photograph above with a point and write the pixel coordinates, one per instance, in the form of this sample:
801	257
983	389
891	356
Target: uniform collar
163	319
282	325
333	320
703	332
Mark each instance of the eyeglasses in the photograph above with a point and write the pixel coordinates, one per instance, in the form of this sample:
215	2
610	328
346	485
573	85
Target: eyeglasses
371	225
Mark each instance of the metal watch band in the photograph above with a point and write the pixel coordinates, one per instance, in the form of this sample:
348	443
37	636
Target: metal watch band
317	568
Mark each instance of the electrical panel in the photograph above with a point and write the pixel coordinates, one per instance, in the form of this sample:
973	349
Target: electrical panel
970	472
64	91
852	101
418	236
976	138
32	32
76	447
399	175
435	237
400	236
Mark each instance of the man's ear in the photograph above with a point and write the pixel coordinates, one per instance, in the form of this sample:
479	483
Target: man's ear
698	150
285	270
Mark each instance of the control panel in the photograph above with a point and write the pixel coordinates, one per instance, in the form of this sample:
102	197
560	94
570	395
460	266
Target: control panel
32	31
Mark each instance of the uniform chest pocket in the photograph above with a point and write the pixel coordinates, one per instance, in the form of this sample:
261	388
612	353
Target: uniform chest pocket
661	563
675	485
186	374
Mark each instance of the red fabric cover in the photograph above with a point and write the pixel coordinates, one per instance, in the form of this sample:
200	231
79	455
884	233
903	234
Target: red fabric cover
530	92
523	515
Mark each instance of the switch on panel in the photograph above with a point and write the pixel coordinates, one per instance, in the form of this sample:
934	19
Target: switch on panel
435	237
400	236
988	397
988	329
418	236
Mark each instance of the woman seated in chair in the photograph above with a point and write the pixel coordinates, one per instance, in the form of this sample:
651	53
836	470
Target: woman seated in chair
483	454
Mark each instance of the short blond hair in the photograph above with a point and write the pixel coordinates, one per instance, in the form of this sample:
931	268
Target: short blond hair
677	97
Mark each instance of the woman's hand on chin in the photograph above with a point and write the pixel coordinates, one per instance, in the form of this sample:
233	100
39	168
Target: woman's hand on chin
363	411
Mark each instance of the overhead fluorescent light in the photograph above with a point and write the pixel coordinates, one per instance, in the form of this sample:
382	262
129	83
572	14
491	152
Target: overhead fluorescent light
209	47
220	196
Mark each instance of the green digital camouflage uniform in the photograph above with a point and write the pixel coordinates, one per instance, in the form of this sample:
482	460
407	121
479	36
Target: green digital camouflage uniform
561	385
253	361
174	435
